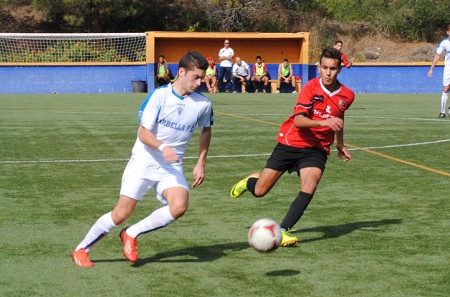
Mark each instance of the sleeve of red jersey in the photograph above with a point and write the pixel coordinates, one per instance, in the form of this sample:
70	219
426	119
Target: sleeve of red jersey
344	59
304	102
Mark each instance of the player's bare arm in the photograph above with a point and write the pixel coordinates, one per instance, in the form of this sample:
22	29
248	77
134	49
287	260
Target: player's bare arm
199	169
302	121
433	64
148	138
343	153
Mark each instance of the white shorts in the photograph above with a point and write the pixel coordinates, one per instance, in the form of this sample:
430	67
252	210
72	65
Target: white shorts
446	77
139	177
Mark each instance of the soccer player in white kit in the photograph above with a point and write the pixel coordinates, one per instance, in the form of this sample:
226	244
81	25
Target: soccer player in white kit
443	46
167	120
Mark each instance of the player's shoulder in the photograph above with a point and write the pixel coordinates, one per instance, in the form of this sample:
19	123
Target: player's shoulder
444	42
161	91
199	97
347	92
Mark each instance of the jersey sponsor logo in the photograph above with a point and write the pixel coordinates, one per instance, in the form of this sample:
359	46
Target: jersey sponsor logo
318	98
180	107
323	115
176	126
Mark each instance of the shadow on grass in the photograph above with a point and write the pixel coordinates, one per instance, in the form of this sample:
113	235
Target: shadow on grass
286	272
344	229
194	254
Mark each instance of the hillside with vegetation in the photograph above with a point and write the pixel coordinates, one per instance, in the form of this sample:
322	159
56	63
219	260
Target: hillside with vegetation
372	30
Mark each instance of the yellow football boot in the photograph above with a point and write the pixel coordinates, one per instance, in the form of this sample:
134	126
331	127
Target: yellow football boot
241	186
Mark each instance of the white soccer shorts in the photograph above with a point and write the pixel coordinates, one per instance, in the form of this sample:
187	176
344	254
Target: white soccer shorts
139	177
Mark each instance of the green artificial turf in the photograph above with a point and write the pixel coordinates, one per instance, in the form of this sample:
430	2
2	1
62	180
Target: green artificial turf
377	226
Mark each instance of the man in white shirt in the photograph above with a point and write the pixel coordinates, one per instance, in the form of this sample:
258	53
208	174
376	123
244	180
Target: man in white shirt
241	75
443	46
167	119
226	63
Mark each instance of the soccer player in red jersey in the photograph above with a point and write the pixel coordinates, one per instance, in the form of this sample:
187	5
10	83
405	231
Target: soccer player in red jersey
338	45
304	141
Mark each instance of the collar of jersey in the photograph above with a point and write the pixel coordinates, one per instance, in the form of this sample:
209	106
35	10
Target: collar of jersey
178	96
327	91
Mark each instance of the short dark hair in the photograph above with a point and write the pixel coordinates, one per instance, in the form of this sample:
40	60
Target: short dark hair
285	60
331	53
161	56
338	41
193	59
258	57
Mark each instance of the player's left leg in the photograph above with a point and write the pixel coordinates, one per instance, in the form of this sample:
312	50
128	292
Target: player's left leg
309	179
294	91
172	190
445	95
279	83
258	185
444	99
446	89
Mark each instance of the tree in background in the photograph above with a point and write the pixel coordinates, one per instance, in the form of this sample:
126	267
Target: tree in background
404	20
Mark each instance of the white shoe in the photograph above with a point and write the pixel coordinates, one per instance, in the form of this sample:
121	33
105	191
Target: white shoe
294	92
278	92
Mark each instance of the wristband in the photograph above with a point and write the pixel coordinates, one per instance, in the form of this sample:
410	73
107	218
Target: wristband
161	147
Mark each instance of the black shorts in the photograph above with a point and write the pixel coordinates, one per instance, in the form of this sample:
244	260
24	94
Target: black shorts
292	159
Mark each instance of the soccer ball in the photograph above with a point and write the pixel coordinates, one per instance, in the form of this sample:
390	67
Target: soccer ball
264	235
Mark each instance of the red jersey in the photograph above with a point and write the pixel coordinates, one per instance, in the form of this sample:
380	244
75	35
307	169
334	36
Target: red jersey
344	60
317	103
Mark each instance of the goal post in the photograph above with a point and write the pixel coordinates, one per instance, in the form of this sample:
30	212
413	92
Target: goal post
72	48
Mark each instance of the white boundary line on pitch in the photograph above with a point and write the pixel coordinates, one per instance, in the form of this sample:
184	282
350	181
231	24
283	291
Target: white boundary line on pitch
363	117
215	157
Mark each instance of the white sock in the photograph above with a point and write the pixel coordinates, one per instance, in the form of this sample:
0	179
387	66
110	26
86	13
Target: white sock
103	226
444	99
157	219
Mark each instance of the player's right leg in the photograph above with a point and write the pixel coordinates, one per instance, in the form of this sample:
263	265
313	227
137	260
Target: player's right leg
102	226
444	99
241	186
444	96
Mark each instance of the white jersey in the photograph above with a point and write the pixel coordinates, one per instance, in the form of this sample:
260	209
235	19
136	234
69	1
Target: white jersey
224	52
242	70
444	46
172	119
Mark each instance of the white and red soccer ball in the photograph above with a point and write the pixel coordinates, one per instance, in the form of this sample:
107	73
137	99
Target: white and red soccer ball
264	235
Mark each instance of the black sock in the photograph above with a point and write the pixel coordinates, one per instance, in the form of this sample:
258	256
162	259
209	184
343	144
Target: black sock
295	212
251	184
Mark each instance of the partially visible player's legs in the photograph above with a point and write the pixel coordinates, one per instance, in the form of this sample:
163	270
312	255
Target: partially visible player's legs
178	201
258	185
444	99
156	220
103	226
220	78
309	179
296	210
228	79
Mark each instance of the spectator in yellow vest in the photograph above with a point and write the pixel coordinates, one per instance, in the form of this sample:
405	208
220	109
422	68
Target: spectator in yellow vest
285	75
260	74
162	72
210	77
